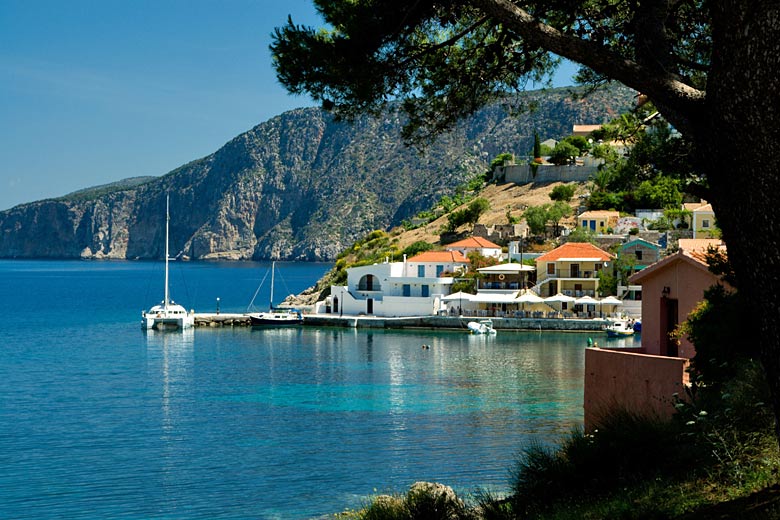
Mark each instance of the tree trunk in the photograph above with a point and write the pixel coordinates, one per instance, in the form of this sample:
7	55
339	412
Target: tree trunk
738	140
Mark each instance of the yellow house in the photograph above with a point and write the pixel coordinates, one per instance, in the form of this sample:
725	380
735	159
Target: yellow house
571	269
598	221
704	222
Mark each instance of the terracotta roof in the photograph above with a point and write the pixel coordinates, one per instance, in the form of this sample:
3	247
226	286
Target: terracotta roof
700	244
440	256
707	208
584	128
690	206
599	213
474	242
575	250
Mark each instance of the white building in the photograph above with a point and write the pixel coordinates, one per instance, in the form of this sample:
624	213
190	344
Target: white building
482	245
410	288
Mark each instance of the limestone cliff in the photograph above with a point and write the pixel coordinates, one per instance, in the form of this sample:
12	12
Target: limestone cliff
298	187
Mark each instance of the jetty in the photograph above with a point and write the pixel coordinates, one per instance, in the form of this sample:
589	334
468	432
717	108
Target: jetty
411	322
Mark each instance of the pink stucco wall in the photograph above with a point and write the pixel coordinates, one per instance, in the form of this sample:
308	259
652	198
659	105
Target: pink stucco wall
638	383
687	283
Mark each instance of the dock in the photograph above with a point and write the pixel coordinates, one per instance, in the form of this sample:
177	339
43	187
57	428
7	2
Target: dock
411	322
224	319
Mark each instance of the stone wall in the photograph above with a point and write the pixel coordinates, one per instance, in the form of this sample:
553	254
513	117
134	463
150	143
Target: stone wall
523	174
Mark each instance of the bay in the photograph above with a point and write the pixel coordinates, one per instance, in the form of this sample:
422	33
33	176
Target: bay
101	419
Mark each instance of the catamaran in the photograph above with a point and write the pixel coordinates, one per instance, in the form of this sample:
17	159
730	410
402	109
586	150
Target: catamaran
167	314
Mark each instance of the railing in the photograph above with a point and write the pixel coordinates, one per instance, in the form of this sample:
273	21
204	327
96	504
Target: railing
568	273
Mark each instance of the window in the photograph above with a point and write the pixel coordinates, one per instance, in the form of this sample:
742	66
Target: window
550	268
638	254
585	223
439	270
705	223
425	291
406	289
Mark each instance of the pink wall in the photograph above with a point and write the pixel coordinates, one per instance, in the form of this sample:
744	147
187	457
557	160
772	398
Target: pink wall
638	383
686	283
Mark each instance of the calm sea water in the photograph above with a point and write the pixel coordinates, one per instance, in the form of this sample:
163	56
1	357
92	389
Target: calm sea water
101	420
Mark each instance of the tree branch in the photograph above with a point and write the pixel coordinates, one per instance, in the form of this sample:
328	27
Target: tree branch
665	88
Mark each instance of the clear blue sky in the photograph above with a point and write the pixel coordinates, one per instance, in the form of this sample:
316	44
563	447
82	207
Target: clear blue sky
94	91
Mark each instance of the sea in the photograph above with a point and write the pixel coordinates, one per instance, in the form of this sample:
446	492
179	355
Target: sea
99	419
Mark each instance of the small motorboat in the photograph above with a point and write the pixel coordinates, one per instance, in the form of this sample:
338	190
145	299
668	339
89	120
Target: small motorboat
620	329
481	327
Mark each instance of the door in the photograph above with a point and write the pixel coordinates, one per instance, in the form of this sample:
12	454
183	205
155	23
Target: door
574	270
669	308
370	306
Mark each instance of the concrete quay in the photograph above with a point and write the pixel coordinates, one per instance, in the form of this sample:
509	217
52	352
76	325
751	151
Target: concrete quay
452	322
411	322
205	319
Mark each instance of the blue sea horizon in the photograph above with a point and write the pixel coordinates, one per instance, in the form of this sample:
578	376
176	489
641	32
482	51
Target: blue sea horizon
101	419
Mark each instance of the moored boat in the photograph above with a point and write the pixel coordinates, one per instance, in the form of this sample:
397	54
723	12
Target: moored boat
167	314
275	316
481	327
619	329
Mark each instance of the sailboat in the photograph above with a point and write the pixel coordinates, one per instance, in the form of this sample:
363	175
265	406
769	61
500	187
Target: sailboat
167	314
275	317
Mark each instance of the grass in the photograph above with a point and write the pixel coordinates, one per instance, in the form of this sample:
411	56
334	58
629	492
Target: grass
631	468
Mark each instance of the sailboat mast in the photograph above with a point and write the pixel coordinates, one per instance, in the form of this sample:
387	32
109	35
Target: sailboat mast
273	269
167	220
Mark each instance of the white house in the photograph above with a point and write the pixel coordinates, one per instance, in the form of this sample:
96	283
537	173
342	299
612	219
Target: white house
482	245
410	288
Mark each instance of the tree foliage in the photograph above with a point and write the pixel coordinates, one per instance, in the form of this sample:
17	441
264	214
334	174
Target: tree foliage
709	68
564	153
563	192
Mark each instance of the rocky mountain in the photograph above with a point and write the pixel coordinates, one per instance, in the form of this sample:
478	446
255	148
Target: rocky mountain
300	186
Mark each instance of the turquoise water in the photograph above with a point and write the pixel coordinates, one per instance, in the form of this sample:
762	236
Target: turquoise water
99	419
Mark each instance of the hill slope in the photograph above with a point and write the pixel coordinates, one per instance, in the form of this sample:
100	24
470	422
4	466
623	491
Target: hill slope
298	187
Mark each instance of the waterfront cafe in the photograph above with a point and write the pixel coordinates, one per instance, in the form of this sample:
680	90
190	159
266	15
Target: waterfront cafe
503	278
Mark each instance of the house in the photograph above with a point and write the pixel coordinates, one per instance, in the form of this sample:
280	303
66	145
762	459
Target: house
639	253
481	245
571	269
646	380
671	289
413	287
703	222
584	130
598	221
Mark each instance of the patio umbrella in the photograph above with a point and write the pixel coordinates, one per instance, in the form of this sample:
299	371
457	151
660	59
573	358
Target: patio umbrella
586	300
529	297
611	300
559	298
459	297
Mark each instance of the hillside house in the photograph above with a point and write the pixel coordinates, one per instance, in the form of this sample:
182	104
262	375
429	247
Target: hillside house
639	254
481	245
598	221
571	269
410	288
703	222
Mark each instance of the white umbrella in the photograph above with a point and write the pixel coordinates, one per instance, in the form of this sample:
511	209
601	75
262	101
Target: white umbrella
529	297
460	295
586	300
559	298
610	300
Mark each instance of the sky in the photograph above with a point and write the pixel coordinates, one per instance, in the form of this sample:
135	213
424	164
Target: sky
95	91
